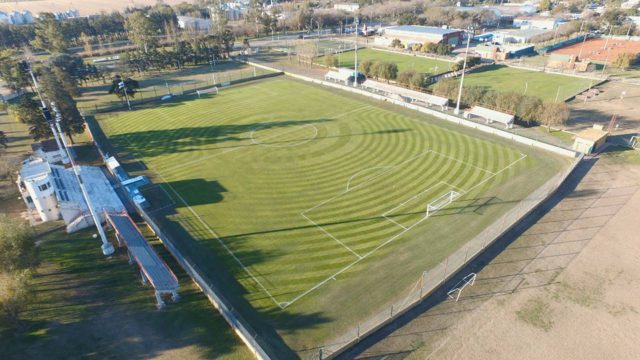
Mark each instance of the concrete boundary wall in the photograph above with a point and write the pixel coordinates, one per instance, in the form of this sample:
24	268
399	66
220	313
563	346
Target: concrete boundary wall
218	301
441	115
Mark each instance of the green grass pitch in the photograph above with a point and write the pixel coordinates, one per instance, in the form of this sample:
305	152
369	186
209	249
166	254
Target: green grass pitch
306	205
543	85
405	62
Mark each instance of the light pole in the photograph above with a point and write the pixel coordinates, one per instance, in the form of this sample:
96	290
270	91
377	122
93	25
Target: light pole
107	248
464	67
355	66
123	87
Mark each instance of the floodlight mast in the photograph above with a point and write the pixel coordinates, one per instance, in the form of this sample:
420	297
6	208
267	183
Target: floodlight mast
107	248
464	67
355	66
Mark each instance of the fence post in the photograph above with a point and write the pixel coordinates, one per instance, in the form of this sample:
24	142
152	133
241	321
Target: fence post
391	311
320	354
446	264
358	333
154	91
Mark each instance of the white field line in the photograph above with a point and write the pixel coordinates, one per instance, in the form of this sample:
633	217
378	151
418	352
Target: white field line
332	277
361	171
406	201
215	235
331	236
463	162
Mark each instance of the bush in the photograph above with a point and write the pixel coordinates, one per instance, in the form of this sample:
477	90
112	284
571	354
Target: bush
624	61
416	47
446	87
396	43
404	78
330	61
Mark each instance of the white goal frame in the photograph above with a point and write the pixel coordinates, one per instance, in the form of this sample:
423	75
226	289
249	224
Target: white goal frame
634	142
441	202
456	290
206	91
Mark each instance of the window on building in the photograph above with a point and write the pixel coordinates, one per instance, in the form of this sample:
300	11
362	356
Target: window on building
44	187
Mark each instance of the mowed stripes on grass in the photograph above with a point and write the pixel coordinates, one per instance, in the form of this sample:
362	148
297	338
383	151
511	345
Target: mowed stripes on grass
291	185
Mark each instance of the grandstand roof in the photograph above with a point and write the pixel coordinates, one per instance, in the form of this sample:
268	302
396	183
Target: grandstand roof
491	115
407	93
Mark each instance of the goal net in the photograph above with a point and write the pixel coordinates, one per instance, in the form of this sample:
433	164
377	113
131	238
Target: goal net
635	142
441	202
207	91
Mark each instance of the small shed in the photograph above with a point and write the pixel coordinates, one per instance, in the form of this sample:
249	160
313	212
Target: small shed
490	116
589	140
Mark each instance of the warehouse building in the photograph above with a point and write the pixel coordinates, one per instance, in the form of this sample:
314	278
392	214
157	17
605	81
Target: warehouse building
415	34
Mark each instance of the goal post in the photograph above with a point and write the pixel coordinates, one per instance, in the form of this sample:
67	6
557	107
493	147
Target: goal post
456	290
206	91
441	202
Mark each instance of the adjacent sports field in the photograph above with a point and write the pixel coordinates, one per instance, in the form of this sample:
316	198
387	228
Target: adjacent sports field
405	62
601	49
543	85
306	206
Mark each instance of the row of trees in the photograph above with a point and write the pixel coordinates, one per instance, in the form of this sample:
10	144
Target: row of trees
528	109
18	259
379	69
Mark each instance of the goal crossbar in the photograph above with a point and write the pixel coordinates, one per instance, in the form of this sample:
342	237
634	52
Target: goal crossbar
206	91
441	202
456	290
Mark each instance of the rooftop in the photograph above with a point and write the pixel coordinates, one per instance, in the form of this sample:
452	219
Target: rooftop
593	134
424	29
34	168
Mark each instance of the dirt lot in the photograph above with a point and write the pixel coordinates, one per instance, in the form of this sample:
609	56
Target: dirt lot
602	49
565	288
86	7
615	98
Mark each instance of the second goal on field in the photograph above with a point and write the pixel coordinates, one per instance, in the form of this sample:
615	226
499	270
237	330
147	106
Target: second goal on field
441	202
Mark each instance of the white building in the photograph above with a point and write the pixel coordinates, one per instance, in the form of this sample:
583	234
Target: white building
537	22
53	193
194	24
4	17
516	36
348	7
48	150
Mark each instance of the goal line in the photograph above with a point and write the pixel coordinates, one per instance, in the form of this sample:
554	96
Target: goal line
206	91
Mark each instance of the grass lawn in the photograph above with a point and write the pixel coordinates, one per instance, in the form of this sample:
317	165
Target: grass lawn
154	84
88	306
405	62
543	85
306	206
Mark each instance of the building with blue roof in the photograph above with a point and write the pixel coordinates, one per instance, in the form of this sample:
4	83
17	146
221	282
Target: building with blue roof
416	34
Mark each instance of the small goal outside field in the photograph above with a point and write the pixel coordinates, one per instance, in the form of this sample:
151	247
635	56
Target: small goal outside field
441	202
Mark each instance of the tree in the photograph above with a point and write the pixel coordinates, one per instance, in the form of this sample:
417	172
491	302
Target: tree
29	111
544	5
86	44
141	31
528	109
18	249
446	88
330	61
387	70
13	71
72	122
49	35
219	18
404	78
15	294
553	114
130	87
4	140
365	68
624	60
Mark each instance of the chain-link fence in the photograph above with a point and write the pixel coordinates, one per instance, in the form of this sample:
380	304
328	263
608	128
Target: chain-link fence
430	280
155	93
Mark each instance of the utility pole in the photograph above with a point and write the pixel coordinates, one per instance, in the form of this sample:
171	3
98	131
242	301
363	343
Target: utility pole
355	66
107	248
464	67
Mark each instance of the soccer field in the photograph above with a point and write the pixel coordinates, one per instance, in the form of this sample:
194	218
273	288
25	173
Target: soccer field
535	83
307	206
405	62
